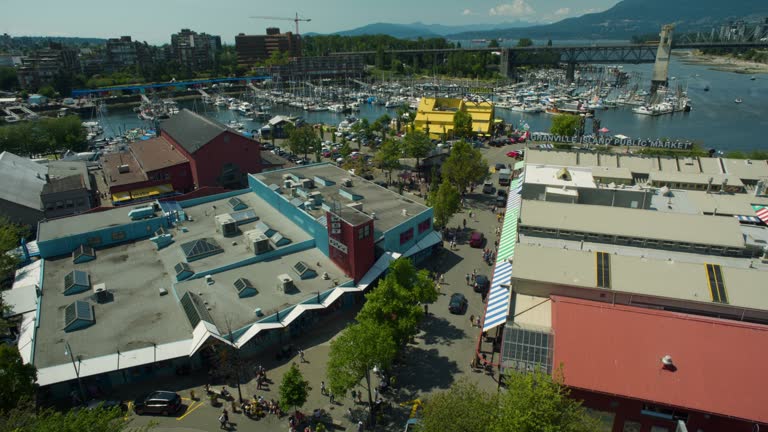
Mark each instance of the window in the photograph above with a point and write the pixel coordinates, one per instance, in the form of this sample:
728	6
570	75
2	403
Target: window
406	236
94	241
423	226
118	235
59	204
70	203
364	232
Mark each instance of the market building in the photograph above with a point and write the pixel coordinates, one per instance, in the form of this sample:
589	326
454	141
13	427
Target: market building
639	281
161	288
434	116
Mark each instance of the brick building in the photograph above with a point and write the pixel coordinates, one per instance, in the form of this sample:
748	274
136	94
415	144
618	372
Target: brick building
255	48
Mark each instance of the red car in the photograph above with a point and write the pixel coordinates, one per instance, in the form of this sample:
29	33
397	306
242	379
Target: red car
514	154
476	239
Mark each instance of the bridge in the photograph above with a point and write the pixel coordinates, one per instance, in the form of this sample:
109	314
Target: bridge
571	55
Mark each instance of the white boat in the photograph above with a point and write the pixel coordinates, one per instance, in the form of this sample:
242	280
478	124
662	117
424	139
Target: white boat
527	109
644	110
738	101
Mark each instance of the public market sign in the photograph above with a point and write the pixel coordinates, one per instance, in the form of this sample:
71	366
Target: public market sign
663	144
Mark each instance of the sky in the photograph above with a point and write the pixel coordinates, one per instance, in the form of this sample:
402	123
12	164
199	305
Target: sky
155	20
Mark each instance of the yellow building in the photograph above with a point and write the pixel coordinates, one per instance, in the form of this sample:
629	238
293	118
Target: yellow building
435	116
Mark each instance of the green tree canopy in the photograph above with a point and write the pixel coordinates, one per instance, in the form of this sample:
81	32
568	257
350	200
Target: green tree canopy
524	42
465	165
10	236
391	305
494	43
8	78
44	136
463	407
303	140
355	352
533	402
418	145
564	125
17	379
81	420
445	202
462	124
417	283
294	389
387	157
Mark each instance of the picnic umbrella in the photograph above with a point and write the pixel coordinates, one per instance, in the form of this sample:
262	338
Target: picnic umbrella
604	130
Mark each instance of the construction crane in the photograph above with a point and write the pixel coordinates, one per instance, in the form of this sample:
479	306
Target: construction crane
296	19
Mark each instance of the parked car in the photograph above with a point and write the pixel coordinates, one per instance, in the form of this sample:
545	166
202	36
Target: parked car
515	154
476	239
499	166
158	402
481	283
458	304
488	187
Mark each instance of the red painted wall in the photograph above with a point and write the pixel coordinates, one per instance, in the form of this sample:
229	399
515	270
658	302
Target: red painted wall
629	410
360	254
208	162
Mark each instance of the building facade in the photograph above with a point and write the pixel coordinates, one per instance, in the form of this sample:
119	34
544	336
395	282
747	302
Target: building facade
252	49
195	51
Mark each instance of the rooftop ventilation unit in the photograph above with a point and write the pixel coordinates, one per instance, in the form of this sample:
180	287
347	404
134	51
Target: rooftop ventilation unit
141	212
278	240
324	181
78	315
307	183
245	288
122	169
285	283
346	182
316	197
226	225
257	241
100	293
76	282
83	254
244	216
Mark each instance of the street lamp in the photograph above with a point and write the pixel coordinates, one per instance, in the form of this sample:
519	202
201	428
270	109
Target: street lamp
68	351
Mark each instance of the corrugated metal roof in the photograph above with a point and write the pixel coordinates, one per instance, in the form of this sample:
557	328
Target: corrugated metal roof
22	180
192	131
617	350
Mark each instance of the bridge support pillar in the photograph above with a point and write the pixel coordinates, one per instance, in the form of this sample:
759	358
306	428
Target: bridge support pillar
570	72
661	67
504	67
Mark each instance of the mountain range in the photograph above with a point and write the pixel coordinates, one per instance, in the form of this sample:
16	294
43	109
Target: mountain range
622	21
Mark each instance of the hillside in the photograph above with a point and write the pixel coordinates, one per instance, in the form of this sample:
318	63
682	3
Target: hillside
418	29
633	17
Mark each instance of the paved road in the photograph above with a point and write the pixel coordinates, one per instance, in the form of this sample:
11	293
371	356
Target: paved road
440	355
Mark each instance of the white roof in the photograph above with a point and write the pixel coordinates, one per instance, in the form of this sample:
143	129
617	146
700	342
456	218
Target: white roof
19	300
22	180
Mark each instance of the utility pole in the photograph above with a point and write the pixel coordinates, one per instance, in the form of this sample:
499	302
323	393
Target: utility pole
68	351
236	360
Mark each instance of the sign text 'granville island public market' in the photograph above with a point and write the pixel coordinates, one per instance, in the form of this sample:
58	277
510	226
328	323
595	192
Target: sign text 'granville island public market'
675	145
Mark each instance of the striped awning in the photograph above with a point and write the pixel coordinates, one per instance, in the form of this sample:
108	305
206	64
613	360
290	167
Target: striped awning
498	297
497	308
761	212
748	219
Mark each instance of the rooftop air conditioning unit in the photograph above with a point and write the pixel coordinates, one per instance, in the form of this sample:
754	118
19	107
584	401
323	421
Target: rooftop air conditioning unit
122	169
257	241
284	283
226	225
100	291
346	182
666	362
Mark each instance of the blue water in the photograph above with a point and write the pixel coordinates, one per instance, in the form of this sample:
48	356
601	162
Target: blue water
715	121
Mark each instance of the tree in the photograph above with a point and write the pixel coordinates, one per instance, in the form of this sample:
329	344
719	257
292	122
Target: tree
418	145
564	125
294	389
462	124
384	120
456	409
533	402
17	379
302	140
8	78
10	236
387	158
465	165
355	352
47	91
363	130
536	401
391	306
445	202
524	42
418	283
345	150
494	43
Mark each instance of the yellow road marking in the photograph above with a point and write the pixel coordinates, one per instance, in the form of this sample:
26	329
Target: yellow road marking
190	409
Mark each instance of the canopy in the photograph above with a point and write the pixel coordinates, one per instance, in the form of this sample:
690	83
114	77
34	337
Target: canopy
151	191
121	196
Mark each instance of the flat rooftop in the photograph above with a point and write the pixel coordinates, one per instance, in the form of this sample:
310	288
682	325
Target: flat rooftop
225	305
745	170
83	223
553	176
639	274
136	318
112	162
648	224
386	204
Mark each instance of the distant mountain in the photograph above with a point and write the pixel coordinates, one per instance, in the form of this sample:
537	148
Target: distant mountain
633	17
417	29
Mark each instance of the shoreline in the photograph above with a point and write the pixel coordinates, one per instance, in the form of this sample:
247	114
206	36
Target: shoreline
725	64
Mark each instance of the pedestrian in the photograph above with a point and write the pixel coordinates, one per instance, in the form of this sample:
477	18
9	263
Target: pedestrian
323	391
426	309
301	356
224	419
468	278
495	244
354	395
470	214
349	412
376	393
465	223
442	278
360	397
360	426
331	397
